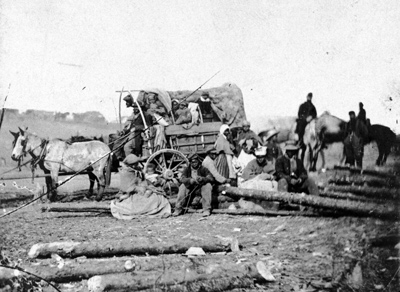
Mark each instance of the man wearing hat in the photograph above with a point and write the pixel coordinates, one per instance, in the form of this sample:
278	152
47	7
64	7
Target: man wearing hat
259	167
135	126
209	163
354	142
206	109
306	113
270	141
195	179
362	114
292	176
245	134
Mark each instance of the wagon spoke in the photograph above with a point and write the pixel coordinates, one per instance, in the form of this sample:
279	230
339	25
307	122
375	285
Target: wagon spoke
172	160
164	161
158	164
176	166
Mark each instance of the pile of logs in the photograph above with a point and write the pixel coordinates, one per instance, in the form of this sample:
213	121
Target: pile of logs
143	264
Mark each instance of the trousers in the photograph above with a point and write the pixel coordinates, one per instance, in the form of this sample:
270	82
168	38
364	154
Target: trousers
308	186
185	196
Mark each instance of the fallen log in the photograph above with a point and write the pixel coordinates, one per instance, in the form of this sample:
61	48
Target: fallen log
360	180
379	173
133	246
198	277
78	269
386	193
243	212
354	208
350	196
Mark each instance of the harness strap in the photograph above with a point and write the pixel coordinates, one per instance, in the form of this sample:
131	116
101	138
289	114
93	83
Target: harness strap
37	159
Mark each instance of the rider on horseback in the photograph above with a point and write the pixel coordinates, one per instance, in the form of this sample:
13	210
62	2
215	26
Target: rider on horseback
306	113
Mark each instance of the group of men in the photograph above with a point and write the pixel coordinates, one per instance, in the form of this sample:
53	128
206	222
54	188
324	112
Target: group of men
149	117
356	131
269	163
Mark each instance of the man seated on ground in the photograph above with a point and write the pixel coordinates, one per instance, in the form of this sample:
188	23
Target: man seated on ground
209	163
259	174
183	114
137	198
195	179
291	174
273	149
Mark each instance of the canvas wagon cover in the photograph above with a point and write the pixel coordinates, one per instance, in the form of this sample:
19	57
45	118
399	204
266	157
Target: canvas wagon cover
227	102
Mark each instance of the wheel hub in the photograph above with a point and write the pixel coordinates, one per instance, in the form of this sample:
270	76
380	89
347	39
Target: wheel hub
168	174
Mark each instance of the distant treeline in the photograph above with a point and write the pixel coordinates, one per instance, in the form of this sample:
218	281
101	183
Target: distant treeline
89	117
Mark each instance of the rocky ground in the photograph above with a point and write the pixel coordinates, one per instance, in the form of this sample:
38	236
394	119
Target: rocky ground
302	253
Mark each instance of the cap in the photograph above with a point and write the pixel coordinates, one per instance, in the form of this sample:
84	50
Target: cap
128	98
291	145
205	93
193	156
245	123
212	151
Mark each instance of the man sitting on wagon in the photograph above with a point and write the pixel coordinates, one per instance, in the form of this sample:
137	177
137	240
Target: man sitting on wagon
183	114
195	179
259	173
291	172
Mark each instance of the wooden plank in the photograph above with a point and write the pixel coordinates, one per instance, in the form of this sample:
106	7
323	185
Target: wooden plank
195	130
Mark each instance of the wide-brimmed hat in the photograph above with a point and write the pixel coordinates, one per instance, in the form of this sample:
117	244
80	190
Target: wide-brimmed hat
271	133
291	145
260	151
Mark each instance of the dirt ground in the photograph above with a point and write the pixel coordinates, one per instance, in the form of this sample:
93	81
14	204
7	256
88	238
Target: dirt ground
303	253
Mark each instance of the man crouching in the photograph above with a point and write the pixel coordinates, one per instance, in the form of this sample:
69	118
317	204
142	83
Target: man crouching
291	172
195	179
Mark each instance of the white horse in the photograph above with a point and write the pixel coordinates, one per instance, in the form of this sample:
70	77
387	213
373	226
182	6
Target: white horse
54	156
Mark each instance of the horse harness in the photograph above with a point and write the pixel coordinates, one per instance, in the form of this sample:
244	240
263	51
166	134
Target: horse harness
36	159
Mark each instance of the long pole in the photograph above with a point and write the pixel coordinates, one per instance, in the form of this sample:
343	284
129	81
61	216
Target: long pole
4	107
120	119
200	86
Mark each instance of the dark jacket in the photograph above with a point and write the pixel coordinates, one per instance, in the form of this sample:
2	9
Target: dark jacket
307	109
358	128
282	168
202	172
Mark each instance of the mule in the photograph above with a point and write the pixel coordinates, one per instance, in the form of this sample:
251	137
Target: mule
54	156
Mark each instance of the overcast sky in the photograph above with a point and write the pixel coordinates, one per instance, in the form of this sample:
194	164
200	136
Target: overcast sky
73	55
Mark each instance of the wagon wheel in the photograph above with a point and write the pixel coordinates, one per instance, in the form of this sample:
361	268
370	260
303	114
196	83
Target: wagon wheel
167	163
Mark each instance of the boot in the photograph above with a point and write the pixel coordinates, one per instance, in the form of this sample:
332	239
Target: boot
177	212
206	213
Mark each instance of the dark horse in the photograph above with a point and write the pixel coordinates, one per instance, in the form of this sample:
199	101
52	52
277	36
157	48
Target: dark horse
384	138
328	129
54	156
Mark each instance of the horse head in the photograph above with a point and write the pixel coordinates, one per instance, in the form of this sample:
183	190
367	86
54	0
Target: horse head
19	144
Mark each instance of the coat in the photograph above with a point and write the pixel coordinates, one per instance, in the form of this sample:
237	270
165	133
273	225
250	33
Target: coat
282	168
253	169
202	172
307	109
